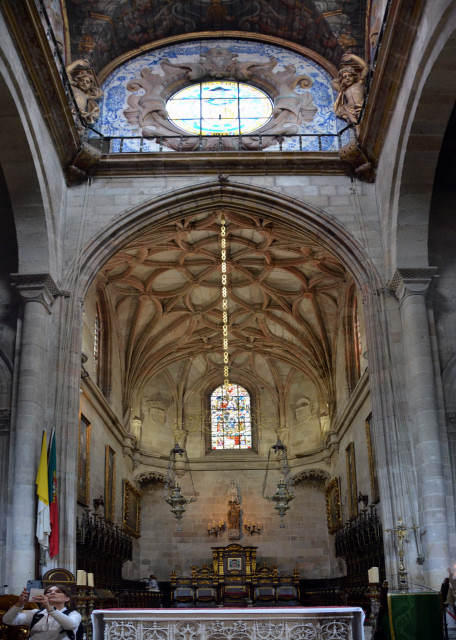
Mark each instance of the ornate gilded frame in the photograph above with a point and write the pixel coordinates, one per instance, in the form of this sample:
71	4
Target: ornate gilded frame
352	489
375	491
83	493
131	509
110	484
333	506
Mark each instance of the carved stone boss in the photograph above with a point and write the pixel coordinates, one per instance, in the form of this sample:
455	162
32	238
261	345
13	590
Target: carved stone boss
290	107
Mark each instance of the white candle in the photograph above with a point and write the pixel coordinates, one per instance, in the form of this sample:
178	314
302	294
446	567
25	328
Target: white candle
90	581
373	575
81	578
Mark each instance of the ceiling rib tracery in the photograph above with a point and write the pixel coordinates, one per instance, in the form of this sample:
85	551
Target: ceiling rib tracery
284	293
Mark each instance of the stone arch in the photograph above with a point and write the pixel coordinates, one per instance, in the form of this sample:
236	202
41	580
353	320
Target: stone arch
296	216
20	159
320	227
428	122
316	224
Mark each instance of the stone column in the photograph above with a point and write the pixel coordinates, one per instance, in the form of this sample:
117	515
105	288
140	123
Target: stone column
37	293
410	287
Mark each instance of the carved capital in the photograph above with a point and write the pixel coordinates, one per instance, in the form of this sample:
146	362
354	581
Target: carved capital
406	282
37	287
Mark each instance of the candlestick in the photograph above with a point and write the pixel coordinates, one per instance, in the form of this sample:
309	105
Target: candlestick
373	575
81	577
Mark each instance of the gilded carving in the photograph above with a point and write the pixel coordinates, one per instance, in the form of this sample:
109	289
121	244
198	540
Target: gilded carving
333	506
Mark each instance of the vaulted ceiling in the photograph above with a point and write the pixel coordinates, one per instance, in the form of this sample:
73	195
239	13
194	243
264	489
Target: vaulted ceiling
286	301
286	292
102	30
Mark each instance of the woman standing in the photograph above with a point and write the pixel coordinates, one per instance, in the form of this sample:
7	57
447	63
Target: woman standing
52	620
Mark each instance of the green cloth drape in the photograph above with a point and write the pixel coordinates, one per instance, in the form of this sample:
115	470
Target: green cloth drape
415	616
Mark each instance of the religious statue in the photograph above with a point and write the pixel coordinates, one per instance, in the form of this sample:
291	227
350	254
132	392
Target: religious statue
351	88
234	513
180	435
136	427
85	89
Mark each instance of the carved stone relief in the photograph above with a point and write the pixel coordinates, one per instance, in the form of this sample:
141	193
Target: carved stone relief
156	411
316	478
85	89
291	105
305	410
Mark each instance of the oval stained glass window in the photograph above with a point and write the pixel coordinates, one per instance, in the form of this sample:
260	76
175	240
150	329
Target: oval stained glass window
213	108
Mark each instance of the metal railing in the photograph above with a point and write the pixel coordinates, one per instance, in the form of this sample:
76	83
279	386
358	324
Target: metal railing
299	142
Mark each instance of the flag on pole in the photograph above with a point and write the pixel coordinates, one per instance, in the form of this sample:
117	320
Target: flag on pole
43	523
52	488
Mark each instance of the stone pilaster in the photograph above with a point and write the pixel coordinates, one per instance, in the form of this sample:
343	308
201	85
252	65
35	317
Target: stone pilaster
37	293
411	287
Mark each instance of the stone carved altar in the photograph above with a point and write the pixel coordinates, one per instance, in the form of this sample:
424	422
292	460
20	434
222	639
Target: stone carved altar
332	623
292	104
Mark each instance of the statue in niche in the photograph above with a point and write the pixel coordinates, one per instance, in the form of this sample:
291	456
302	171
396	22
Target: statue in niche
234	513
157	411
350	85
148	111
136	427
85	89
305	410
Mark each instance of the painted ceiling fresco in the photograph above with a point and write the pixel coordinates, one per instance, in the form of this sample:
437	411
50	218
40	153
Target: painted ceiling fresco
101	30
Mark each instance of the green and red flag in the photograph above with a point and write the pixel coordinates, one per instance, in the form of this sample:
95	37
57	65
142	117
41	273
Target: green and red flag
53	506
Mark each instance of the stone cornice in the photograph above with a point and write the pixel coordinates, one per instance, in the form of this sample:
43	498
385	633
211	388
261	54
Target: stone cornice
232	163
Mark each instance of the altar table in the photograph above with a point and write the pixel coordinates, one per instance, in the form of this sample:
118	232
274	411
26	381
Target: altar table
274	623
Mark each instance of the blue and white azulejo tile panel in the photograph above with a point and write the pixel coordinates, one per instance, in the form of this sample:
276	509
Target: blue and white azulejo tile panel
113	123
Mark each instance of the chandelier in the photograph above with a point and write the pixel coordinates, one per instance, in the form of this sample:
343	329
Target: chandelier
284	491
224	300
173	493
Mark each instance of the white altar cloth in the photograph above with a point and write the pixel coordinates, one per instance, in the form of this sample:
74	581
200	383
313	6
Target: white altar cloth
273	623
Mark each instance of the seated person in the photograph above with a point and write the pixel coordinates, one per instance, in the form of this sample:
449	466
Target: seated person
152	583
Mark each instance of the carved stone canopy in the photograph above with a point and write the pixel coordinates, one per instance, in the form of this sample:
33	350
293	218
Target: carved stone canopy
292	104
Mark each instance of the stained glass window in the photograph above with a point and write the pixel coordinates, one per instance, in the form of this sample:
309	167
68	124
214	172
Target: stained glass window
231	426
211	108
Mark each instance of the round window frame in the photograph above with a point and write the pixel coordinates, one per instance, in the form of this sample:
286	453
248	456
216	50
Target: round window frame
238	131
